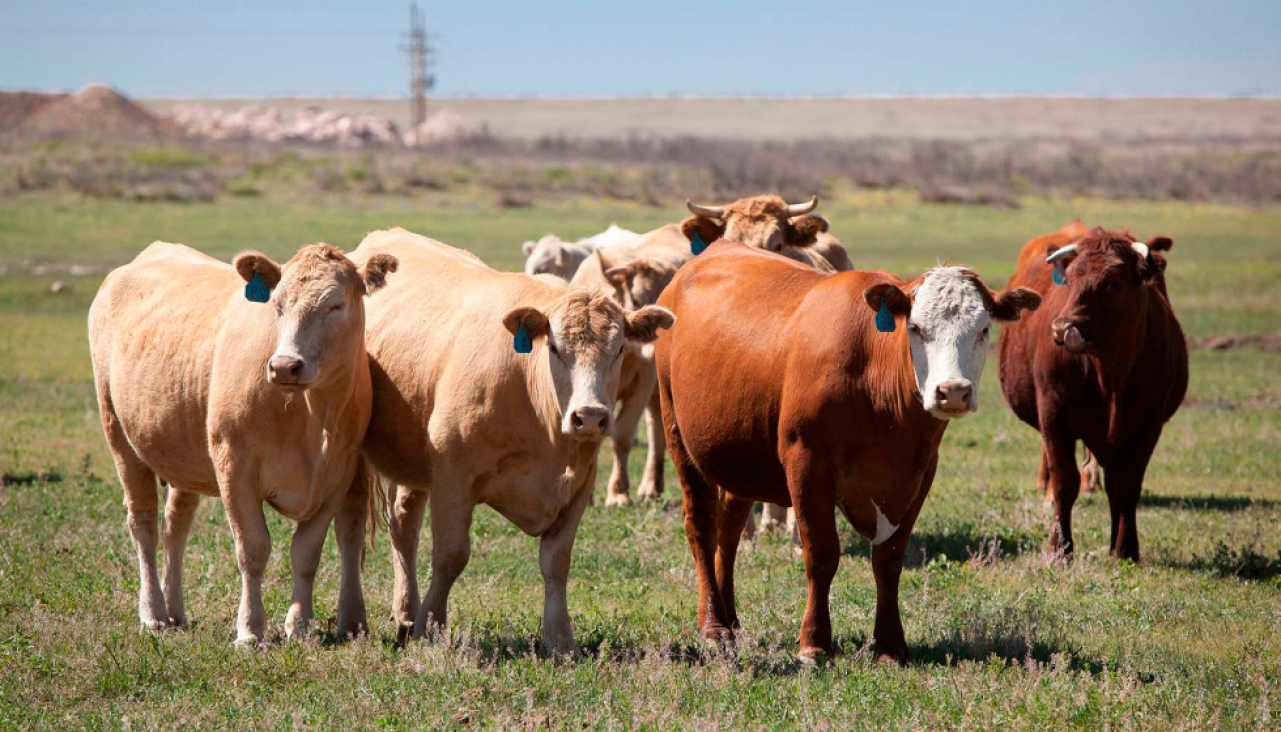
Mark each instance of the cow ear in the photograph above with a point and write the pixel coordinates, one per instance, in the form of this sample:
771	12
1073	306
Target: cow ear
709	230
375	271
559	257
528	247
1007	305
1160	244
248	264
895	300
804	231
532	319
642	325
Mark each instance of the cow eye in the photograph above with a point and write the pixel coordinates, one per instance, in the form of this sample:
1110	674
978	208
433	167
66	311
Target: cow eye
914	329
983	335
335	308
552	347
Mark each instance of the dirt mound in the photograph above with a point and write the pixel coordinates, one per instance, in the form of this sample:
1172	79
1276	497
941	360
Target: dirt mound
96	110
1268	342
17	107
442	128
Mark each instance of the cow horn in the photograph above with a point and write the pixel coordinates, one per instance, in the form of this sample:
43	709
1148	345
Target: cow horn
1067	252
800	209
712	212
1140	248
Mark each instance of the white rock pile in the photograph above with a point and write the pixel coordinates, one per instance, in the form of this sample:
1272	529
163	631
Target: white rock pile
316	126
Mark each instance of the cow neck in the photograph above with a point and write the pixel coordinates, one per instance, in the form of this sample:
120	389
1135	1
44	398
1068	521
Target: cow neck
1115	371
328	400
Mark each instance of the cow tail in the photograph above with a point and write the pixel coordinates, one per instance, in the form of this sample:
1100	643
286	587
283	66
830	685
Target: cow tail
375	506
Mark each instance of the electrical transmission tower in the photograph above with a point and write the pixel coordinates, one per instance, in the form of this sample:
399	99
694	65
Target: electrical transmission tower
421	57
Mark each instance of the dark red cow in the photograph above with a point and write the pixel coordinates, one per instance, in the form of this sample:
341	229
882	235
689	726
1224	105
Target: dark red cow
776	386
1103	361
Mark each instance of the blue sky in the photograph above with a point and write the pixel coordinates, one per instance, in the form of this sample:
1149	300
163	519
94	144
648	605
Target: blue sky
820	47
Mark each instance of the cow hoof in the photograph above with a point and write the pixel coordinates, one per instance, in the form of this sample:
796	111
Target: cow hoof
814	657
718	634
647	492
897	659
152	625
618	499
248	642
352	629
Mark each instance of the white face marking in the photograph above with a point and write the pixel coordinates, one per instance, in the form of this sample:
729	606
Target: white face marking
884	529
948	330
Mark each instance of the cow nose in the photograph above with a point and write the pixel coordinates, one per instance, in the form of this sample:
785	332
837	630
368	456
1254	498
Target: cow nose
954	395
1058	328
285	369
589	422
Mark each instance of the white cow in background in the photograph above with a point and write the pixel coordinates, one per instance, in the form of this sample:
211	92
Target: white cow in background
553	255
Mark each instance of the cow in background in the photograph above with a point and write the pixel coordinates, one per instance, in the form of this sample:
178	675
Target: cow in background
553	255
776	386
772	224
634	274
1104	362
489	388
253	402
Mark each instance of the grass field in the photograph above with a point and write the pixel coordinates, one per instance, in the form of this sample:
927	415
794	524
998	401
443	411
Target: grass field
1190	639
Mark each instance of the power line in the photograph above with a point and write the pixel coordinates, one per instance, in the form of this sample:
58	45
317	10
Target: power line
421	56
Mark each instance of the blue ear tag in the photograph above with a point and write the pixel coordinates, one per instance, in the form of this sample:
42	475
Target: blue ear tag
696	244
1058	276
884	319
522	342
256	290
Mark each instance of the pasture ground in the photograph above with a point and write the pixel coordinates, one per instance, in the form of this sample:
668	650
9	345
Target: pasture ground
1189	639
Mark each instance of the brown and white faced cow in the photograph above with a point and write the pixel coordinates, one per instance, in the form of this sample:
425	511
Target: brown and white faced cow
1104	362
461	418
251	402
825	413
772	224
634	274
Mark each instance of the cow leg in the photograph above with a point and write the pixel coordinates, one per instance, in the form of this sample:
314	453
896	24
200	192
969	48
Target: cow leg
253	550
812	495
142	501
651	487
555	548
701	503
405	525
624	434
734	515
1124	485
180	510
349	530
1043	477
887	568
450	552
773	516
1064	485
1091	473
304	559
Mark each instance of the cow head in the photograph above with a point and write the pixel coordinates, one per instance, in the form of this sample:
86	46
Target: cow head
949	315
1107	275
320	313
583	335
764	222
552	255
637	282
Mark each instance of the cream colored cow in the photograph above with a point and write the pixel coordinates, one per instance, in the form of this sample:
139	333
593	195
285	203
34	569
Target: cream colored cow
251	402
634	274
461	418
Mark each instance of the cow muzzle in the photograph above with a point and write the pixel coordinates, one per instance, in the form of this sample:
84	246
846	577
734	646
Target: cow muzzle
589	423
1068	334
289	371
954	398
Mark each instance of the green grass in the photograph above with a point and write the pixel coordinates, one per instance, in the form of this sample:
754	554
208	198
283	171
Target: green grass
1189	639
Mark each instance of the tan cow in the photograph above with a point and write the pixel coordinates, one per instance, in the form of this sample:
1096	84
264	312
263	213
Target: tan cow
461	418
634	274
251	402
770	223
